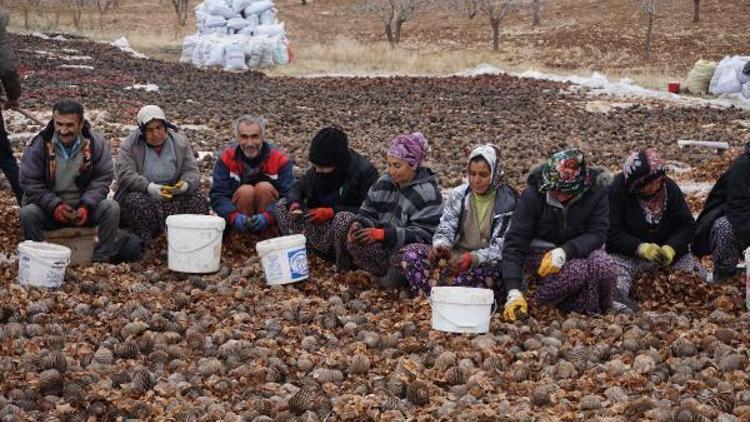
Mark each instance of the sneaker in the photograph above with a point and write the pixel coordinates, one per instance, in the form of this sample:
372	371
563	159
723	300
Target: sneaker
391	280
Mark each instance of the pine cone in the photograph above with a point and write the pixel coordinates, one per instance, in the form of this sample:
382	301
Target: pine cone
360	364
143	380
127	350
51	382
418	392
310	397
455	376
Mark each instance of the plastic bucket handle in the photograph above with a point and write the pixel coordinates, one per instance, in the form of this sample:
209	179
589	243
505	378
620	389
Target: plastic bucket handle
494	309
55	264
203	245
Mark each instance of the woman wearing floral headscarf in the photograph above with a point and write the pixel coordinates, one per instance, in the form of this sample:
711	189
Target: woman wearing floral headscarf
650	224
471	231
401	208
558	231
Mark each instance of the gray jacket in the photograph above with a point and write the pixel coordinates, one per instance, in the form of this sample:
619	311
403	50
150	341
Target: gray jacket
132	154
8	74
37	177
448	231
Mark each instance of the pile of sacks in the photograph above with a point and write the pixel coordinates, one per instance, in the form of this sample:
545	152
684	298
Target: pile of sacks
730	76
237	35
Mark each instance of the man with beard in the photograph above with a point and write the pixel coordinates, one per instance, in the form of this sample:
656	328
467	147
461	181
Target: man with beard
338	181
65	173
249	177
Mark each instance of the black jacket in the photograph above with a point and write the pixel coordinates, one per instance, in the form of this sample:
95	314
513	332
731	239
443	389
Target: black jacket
628	227
580	228
362	174
730	196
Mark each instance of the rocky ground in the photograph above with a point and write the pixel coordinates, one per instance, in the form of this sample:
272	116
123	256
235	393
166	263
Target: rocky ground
137	341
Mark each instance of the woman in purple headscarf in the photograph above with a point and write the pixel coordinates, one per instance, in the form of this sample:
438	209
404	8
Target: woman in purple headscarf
402	207
650	224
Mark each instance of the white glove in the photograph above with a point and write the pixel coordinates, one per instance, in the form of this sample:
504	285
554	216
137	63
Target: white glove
558	257
181	187
154	189
513	294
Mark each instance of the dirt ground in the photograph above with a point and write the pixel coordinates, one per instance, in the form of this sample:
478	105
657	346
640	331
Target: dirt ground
576	36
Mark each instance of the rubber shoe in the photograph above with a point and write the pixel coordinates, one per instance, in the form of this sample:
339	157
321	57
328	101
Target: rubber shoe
391	280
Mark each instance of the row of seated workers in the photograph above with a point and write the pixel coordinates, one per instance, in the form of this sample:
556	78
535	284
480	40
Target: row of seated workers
580	234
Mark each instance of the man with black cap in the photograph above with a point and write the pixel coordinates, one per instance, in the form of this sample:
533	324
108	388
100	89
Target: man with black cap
157	175
324	201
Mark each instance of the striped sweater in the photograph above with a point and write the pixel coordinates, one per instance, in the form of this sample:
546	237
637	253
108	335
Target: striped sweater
409	213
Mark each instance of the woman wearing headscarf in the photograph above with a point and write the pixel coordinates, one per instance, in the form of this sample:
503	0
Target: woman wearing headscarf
558	231
650	224
402	207
157	175
322	203
470	235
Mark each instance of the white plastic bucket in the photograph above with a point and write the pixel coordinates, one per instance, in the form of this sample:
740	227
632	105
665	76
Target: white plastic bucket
284	259
462	309
194	243
42	264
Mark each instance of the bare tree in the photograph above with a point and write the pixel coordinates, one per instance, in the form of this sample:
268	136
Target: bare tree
536	15
494	10
394	14
649	9
696	11
181	9
76	9
104	5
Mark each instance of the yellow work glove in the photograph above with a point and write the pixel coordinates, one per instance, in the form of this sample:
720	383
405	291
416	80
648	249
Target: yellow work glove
515	305
650	252
667	255
167	192
552	262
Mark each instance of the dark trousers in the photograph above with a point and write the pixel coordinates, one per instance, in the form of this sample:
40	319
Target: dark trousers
8	162
35	220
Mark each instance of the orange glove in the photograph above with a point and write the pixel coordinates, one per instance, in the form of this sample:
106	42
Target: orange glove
319	215
461	263
369	236
82	216
64	213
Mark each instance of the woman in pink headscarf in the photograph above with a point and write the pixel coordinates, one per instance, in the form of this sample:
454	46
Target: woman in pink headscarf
402	207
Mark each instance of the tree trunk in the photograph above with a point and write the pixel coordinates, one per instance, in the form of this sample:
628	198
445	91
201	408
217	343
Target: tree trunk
397	31
537	13
696	11
389	35
304	2
26	17
495	23
649	32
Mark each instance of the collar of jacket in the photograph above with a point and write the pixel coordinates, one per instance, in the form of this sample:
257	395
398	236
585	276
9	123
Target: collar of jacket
504	200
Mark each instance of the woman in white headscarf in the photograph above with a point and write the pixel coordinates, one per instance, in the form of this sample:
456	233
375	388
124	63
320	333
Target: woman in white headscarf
469	238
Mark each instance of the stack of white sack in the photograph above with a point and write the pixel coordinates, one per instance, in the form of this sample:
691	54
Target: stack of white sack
237	35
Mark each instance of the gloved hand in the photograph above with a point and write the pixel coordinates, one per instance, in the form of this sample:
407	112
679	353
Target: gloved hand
369	236
295	211
64	213
437	253
515	306
82	216
319	215
552	262
667	255
461	263
258	222
155	190
240	222
650	252
181	187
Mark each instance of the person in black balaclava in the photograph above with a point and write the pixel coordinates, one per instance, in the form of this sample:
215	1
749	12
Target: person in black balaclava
322	203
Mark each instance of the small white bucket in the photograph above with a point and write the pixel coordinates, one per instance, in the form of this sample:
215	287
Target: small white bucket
284	259
42	264
462	309
194	243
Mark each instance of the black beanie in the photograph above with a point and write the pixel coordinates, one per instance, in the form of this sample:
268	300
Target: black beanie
330	147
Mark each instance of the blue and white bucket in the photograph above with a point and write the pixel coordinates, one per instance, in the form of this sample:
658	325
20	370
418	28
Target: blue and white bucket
284	259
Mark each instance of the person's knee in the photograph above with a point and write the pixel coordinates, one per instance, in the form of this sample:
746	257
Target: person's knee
31	214
109	210
266	189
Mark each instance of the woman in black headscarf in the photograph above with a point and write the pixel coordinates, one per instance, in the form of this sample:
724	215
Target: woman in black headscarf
338	181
